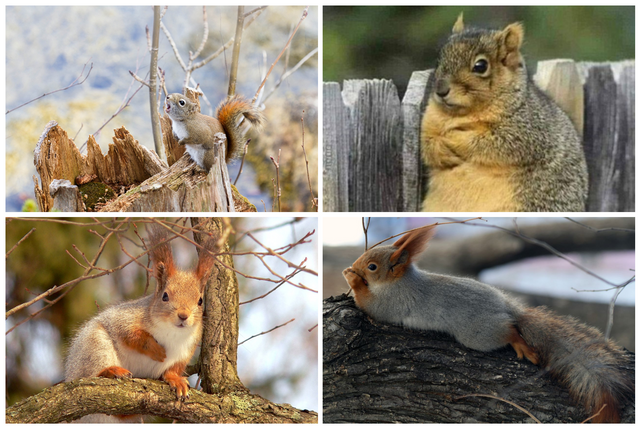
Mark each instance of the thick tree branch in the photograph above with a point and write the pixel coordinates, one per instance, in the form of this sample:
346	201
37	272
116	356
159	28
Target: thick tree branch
386	374
69	401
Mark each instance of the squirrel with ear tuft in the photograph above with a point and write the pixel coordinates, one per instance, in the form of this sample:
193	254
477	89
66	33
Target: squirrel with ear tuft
150	337
390	288
491	139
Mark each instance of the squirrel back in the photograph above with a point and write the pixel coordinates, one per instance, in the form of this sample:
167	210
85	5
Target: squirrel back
197	131
493	141
150	337
389	288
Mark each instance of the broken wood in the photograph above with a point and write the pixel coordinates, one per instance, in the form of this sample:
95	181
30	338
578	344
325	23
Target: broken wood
150	185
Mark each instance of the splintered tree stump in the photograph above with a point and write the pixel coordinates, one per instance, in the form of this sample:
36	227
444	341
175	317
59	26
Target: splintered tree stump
152	186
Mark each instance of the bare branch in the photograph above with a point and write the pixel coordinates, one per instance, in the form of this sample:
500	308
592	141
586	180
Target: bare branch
278	191
304	15
244	153
19	241
76	82
290	72
502	400
314	201
266	332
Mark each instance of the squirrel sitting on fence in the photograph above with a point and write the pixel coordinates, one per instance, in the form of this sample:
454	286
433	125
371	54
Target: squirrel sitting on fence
491	139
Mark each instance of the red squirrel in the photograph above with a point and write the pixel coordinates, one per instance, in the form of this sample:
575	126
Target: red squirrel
196	131
390	288
150	337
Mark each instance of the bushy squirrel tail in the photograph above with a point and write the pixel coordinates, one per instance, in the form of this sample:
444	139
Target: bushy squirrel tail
228	113
578	356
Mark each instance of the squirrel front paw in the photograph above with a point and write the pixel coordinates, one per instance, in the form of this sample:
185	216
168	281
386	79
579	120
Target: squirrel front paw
178	383
115	372
353	278
346	272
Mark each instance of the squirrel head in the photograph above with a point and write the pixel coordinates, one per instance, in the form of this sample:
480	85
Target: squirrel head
178	106
385	265
178	297
477	66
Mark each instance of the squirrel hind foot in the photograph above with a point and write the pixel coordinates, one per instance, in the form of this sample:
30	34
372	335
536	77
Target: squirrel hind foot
115	372
521	347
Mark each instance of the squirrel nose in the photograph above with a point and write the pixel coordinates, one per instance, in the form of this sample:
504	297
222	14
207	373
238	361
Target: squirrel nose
183	316
442	87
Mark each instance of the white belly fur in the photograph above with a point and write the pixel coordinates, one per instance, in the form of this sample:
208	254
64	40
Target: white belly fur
197	153
179	129
177	342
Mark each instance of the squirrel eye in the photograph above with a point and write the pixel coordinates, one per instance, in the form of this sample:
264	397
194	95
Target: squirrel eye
165	297
200	301
372	267
181	102
481	66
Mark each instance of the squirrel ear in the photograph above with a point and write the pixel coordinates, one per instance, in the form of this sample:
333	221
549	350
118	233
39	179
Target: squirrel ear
458	27
509	42
162	276
413	243
206	260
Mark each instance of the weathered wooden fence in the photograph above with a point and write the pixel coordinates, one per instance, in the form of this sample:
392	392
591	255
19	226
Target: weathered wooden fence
371	140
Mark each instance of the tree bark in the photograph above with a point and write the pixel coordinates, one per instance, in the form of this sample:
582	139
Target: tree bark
128	166
70	401
218	364
379	373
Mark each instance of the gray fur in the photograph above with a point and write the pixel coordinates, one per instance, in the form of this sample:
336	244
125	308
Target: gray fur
449	304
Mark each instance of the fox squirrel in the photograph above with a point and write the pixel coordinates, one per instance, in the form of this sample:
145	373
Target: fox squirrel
491	139
196	131
389	288
150	337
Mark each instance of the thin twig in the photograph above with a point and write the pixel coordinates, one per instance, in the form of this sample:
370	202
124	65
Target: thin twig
314	201
595	415
266	332
365	229
76	82
304	15
502	400
290	72
424	226
278	191
19	241
549	248
244	153
600	230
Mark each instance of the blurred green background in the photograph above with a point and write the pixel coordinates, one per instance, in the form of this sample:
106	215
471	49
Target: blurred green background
392	42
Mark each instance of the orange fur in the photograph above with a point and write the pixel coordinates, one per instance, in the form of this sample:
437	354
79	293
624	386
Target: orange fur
464	176
173	377
228	113
609	413
361	292
414	243
144	343
115	372
206	260
521	347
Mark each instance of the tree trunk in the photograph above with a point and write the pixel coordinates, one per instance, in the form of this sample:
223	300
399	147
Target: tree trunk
218	364
379	373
